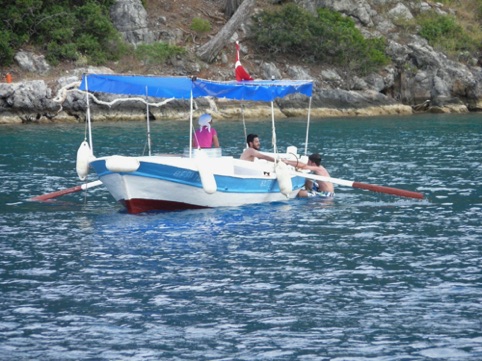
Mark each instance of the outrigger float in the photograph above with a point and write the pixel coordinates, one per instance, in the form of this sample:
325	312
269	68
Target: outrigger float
198	178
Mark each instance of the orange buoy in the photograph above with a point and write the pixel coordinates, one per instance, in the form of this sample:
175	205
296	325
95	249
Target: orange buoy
8	78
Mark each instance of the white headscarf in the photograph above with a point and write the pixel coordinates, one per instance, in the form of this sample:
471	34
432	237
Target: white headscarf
204	121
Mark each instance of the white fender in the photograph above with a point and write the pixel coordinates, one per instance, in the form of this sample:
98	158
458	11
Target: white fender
117	163
207	177
292	152
84	155
284	178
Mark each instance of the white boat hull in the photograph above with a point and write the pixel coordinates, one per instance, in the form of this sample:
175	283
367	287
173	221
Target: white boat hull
203	178
175	183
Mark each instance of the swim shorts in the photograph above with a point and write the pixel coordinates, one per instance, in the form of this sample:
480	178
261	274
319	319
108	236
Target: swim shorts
314	193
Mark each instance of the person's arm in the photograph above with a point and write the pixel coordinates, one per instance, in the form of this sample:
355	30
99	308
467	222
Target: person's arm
299	165
296	164
263	156
194	139
215	141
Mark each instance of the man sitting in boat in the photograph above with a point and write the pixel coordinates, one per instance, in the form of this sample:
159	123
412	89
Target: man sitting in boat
252	151
206	136
314	188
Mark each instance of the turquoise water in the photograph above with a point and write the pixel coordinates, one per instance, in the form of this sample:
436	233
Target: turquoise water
366	277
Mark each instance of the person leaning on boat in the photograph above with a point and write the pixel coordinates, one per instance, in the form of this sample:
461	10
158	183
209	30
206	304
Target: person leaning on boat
206	136
314	188
252	151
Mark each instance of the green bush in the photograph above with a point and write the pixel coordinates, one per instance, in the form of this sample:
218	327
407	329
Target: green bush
6	51
435	26
200	26
328	37
16	22
98	40
284	31
56	51
443	32
157	53
64	29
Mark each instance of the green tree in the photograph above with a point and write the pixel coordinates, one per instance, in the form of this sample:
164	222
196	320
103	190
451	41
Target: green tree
64	29
328	37
17	24
444	32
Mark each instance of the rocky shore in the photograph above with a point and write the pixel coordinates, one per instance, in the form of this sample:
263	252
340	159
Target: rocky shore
38	102
419	78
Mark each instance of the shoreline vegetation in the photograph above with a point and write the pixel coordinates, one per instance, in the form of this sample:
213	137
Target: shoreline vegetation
401	57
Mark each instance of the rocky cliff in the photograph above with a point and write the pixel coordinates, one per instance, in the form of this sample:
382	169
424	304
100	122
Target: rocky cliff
419	77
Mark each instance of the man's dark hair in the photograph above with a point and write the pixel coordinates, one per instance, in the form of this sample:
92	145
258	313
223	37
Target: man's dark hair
315	158
250	138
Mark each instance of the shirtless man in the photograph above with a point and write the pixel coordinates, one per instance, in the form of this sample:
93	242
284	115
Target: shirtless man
314	188
252	151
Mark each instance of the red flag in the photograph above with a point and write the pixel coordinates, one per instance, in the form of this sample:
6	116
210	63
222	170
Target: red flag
240	72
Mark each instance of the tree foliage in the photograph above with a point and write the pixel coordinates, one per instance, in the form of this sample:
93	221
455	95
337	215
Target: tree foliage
444	32
328	37
63	29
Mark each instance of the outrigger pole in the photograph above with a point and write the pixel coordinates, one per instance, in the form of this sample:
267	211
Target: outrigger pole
365	186
62	192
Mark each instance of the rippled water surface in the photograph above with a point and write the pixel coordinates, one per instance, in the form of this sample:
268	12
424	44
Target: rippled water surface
365	277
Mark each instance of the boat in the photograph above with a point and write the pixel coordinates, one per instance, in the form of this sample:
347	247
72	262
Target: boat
198	178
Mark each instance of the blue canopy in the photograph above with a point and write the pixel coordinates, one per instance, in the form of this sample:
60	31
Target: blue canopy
185	87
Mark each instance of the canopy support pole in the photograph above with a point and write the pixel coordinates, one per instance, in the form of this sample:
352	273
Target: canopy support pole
244	126
308	127
148	124
89	124
273	129
191	125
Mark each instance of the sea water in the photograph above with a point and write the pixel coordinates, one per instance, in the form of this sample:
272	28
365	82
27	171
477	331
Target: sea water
366	276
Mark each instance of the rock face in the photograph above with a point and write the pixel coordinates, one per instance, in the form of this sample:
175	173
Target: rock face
419	78
32	63
130	19
419	72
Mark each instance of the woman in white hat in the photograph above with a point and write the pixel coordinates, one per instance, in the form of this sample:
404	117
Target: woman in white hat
206	136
